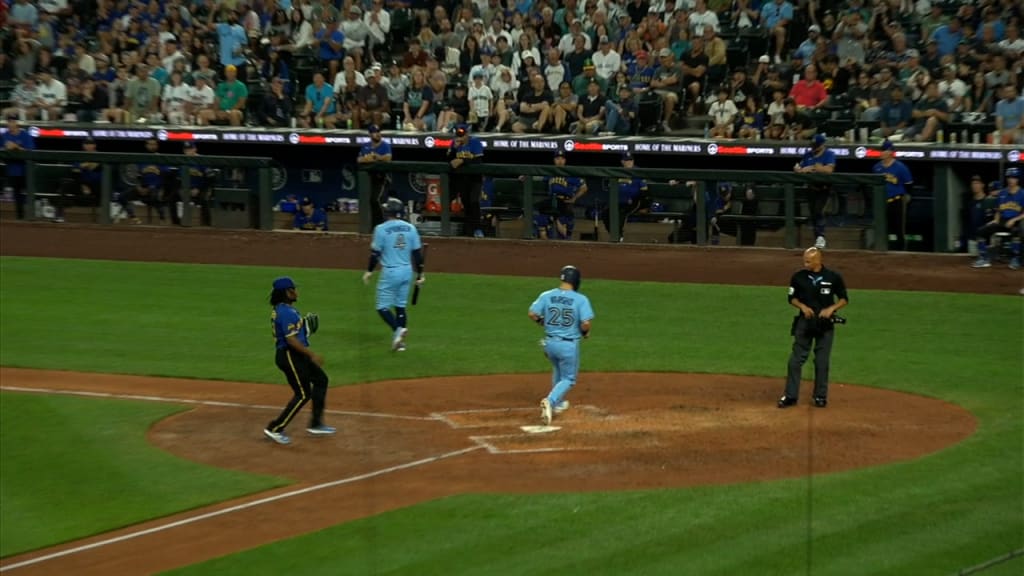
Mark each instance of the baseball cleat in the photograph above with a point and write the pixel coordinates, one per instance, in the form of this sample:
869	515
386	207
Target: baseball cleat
279	437
819	242
545	411
786	402
981	263
321	430
561	406
820	401
401	348
399	338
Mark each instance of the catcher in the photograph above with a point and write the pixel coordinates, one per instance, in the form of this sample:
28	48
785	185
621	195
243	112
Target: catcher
301	366
818	293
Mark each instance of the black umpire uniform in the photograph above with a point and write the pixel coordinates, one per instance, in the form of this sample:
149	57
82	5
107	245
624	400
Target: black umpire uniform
818	292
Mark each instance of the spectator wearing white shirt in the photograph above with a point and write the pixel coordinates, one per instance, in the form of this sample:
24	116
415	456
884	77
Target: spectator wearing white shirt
566	44
53	96
356	33
496	31
481	102
607	61
555	71
175	99
952	88
347	65
200	98
55	7
301	32
1013	43
378	22
171	53
723	111
702	17
85	60
24	99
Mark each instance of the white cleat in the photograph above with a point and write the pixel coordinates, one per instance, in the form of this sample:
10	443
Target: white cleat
562	407
819	242
399	340
545	411
982	262
279	437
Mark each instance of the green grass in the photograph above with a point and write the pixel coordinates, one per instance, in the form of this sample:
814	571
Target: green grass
72	467
930	516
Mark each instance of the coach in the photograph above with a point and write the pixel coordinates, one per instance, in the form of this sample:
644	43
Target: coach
897	178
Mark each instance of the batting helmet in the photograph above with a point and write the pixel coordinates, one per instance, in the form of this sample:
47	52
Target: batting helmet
571	275
1013	172
393	207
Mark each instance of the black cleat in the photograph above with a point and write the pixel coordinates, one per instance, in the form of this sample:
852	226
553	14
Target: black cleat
820	401
786	402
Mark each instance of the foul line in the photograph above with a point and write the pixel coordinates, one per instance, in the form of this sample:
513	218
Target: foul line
254	503
991	563
203	402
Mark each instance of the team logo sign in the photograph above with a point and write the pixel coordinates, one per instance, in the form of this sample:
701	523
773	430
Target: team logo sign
428	141
293	138
861	152
712	149
569	145
418	182
130	174
161	135
278	176
1013	156
33	131
348	180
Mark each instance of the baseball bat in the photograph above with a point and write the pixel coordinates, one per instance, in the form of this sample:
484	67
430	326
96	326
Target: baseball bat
416	289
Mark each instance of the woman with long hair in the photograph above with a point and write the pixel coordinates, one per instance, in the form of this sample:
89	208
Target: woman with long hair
301	366
470	55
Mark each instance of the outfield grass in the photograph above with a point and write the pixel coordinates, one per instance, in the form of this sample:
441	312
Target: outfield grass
933	515
72	467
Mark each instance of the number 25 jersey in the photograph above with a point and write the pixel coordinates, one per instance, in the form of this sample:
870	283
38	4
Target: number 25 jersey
563	311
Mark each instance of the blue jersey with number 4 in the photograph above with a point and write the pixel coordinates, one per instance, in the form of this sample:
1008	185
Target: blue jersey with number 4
395	240
563	312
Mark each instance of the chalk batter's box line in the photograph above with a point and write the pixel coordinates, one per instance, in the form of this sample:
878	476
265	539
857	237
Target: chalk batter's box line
446	416
193	402
485	442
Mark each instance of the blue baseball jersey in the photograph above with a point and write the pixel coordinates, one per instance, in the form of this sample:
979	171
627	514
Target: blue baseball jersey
827	157
1010	203
897	178
286	322
471	150
395	241
151	175
197	176
382	148
631	188
315	221
563	311
88	173
562	187
26	142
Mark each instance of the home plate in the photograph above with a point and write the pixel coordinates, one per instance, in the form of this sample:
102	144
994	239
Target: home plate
539	429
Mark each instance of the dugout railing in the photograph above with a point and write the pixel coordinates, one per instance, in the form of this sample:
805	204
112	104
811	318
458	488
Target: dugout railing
257	196
787	182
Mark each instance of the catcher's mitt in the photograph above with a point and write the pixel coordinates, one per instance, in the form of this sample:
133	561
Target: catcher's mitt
312	323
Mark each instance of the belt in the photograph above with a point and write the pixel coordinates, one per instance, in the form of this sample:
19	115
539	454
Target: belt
564	339
893	199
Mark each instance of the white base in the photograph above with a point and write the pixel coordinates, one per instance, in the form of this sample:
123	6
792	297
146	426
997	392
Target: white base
539	429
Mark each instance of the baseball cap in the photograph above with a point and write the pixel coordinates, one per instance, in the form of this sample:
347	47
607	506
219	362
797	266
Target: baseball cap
664	53
627	156
283	283
819	140
888	145
355	10
764	59
461	129
559	153
994	185
306	201
976	178
641	54
478	74
588	63
12	116
1013	172
814	28
230	68
913	53
89	140
525	54
189	144
603	40
373	128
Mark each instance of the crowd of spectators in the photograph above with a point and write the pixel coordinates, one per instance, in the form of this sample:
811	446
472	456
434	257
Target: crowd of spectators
738	68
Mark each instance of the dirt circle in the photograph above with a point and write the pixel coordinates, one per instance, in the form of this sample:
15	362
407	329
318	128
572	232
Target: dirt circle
638	430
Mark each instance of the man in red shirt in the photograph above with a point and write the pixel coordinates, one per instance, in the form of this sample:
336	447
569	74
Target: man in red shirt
809	93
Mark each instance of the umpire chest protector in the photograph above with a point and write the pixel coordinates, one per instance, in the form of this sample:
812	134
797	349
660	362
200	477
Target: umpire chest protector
818	290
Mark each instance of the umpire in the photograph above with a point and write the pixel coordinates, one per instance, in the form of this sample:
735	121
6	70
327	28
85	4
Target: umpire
818	293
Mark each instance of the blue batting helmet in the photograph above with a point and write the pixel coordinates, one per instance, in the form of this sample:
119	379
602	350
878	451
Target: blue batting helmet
393	206
571	275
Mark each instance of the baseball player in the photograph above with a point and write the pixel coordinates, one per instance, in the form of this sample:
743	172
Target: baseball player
396	247
17	139
309	217
818	293
201	180
558	209
376	150
633	197
566	317
818	160
1009	217
83	188
301	366
150	188
466	150
897	178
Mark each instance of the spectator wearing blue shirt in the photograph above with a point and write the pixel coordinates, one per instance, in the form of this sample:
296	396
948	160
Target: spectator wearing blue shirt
1010	116
231	40
330	46
775	17
897	114
818	159
320	110
376	150
948	37
17	139
897	178
24	13
310	218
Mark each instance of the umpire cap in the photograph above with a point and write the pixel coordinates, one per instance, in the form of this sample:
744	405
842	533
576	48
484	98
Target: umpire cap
571	275
393	206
